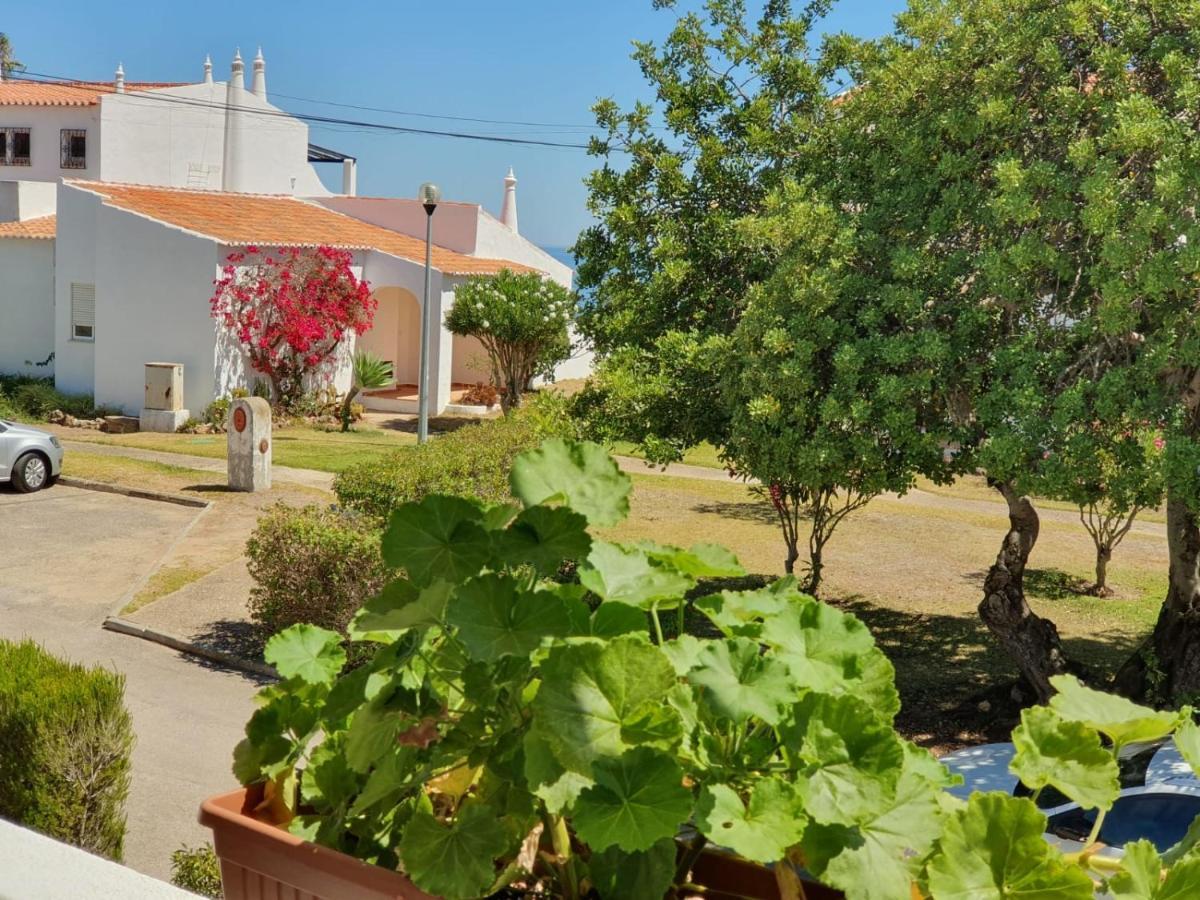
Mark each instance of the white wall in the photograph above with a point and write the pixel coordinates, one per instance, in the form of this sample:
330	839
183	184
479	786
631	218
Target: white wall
47	123
74	261
495	240
453	223
153	285
176	136
26	306
22	200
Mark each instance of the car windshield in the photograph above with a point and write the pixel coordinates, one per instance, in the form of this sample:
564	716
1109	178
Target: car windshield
1162	819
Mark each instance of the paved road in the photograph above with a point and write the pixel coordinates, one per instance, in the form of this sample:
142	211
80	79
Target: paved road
66	556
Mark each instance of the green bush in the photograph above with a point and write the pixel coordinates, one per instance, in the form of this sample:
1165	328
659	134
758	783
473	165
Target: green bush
473	461
25	397
312	565
198	870
65	741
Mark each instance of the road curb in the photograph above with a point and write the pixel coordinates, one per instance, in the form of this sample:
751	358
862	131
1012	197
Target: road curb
124	626
137	493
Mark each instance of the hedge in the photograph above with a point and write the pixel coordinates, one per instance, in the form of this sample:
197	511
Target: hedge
473	461
65	743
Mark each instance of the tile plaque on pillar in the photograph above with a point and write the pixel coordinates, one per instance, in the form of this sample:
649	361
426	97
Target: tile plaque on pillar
249	441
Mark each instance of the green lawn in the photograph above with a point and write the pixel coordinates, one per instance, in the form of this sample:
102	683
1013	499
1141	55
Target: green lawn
298	446
701	455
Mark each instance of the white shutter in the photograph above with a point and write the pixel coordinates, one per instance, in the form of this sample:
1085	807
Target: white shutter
83	311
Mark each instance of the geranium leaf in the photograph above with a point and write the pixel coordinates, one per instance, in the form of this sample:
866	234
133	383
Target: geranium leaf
637	800
699	561
1067	755
852	759
872	859
995	848
1123	721
627	575
830	652
684	652
544	536
1141	876
455	860
557	787
314	655
614	619
600	699
372	734
762	830
578	473
741	612
496	618
618	875
1187	741
740	683
440	537
401	605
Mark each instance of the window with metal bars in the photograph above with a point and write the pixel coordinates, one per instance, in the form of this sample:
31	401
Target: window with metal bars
15	146
73	148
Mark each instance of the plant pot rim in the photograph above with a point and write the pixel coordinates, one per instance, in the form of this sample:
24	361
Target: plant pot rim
243	841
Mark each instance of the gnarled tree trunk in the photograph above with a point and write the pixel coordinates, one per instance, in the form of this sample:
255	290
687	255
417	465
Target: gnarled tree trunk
1167	666
1030	640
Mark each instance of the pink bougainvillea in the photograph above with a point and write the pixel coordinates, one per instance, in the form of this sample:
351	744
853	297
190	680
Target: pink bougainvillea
290	309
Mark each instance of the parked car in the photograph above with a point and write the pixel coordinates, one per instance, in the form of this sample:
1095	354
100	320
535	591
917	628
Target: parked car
30	458
1160	796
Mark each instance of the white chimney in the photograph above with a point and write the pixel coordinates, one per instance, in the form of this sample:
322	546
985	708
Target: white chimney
237	73
119	80
508	212
350	176
259	85
231	161
207	69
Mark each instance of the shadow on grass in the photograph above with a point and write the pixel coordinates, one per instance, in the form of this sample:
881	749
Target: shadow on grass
1055	584
746	511
957	686
209	489
235	638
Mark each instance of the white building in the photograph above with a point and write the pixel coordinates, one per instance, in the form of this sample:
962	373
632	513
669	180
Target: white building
120	203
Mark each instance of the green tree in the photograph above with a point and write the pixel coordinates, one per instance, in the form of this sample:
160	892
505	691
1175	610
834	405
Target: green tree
522	322
8	63
368	372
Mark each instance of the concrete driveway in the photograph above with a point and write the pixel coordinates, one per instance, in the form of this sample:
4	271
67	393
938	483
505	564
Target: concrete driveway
67	555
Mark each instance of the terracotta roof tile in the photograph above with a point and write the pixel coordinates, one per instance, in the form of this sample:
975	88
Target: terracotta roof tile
36	229
67	93
281	221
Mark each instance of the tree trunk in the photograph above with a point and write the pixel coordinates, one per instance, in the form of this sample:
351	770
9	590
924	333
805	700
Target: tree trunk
1030	640
816	552
793	554
1166	667
1103	555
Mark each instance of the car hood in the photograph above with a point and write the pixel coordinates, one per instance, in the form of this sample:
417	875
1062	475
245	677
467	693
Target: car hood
24	430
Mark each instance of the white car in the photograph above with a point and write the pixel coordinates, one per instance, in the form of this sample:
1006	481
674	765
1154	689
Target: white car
1160	796
29	458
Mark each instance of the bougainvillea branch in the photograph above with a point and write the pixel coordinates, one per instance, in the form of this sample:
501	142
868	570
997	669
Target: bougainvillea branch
290	309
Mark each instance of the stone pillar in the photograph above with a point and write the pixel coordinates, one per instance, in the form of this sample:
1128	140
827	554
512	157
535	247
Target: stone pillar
249	436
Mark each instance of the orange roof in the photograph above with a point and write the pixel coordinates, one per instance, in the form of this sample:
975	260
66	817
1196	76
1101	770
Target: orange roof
67	93
277	220
36	229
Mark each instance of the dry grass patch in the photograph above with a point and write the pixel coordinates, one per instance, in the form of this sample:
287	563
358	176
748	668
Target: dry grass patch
165	581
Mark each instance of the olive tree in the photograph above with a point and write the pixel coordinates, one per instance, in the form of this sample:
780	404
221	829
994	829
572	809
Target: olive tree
522	321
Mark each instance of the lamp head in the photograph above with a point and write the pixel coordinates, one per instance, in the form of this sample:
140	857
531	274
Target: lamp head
429	194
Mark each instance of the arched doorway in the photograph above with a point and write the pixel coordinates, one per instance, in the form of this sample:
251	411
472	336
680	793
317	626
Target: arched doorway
395	334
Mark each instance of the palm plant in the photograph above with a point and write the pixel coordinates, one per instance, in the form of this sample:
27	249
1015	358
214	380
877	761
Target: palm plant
8	64
368	372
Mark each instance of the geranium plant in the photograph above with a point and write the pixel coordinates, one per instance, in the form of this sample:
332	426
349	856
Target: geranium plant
291	309
513	732
521	320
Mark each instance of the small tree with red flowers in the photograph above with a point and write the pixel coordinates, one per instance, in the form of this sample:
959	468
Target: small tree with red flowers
290	310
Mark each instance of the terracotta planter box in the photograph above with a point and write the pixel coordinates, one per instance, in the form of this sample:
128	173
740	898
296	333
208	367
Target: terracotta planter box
260	861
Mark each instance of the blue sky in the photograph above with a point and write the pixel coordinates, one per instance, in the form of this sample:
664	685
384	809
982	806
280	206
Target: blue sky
525	60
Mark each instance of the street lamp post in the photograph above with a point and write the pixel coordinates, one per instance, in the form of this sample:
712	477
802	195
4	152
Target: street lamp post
429	196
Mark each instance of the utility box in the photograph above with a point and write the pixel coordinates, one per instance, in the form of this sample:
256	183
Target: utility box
164	386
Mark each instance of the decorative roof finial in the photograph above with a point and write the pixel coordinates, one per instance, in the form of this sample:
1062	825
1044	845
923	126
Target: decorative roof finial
237	78
259	84
119	79
508	211
207	69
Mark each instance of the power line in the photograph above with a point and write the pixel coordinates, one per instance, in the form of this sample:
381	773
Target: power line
155	97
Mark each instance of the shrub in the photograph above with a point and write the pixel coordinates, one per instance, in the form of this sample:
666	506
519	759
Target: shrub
36	398
312	565
473	461
65	741
217	412
197	869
